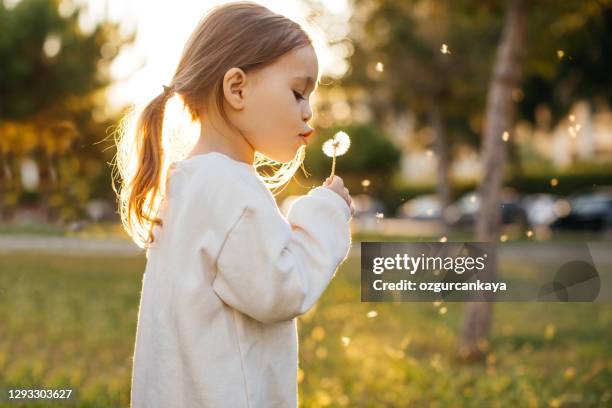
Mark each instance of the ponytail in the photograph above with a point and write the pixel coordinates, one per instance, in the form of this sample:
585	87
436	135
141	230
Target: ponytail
140	193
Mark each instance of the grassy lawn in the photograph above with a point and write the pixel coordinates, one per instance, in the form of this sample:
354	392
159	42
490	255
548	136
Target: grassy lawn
69	322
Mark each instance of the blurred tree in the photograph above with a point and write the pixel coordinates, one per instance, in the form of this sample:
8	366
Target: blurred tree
418	58
52	81
571	59
581	76
499	120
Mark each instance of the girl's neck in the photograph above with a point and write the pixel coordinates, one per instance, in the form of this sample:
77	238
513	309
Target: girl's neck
222	139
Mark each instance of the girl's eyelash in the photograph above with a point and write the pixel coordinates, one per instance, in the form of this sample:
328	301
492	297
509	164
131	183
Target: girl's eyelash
298	95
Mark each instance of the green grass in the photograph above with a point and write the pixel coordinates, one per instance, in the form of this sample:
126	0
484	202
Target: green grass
69	322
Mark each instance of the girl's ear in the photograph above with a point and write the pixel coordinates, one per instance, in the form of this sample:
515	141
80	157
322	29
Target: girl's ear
234	82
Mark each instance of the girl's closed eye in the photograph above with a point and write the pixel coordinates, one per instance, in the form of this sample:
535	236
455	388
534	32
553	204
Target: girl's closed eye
298	95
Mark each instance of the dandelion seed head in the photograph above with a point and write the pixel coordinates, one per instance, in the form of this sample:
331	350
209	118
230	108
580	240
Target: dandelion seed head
337	145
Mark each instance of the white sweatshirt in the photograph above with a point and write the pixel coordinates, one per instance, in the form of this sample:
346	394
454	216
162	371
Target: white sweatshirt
224	280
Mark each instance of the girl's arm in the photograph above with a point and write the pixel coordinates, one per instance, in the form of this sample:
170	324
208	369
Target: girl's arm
272	270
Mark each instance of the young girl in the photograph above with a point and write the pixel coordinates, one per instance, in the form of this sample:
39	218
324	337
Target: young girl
226	273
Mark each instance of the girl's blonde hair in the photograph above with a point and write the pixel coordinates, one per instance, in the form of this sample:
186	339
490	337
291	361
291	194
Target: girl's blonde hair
240	34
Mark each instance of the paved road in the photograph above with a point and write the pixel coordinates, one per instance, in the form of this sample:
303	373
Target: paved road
528	251
68	245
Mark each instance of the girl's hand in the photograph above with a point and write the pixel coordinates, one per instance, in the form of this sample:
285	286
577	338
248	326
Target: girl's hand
337	185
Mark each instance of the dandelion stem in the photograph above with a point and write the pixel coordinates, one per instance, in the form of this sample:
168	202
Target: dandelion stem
333	163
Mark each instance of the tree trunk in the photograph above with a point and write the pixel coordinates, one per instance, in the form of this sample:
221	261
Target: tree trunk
499	117
442	158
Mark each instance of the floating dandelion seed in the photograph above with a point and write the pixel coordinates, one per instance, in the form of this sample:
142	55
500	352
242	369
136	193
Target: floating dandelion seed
444	49
506	136
346	341
503	238
529	233
372	313
365	183
442	310
560	54
554	182
336	146
443	239
380	67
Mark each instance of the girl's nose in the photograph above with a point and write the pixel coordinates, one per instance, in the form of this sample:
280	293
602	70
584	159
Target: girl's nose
307	114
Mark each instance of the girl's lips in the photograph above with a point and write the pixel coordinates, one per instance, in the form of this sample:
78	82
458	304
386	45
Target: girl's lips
306	134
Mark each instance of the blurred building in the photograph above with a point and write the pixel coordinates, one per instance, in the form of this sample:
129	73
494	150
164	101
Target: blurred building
582	136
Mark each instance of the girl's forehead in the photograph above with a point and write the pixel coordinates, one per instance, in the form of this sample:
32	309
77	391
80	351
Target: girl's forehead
300	63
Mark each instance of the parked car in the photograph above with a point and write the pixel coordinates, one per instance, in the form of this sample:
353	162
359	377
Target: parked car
367	206
425	207
590	210
464	211
542	209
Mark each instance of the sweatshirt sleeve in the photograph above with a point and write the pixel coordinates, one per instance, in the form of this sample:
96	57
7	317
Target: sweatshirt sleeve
274	269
